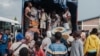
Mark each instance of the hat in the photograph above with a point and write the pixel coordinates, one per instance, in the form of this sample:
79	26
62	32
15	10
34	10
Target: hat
65	35
19	37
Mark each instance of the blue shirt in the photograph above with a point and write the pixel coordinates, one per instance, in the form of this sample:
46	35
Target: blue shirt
57	49
4	44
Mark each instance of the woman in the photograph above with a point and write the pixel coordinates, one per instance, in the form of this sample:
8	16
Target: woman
91	46
27	15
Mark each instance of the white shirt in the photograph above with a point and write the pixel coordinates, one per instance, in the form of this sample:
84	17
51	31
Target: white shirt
34	11
43	17
15	45
46	42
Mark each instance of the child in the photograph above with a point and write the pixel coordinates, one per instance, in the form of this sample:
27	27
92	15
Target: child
77	45
24	52
45	42
91	45
38	51
57	48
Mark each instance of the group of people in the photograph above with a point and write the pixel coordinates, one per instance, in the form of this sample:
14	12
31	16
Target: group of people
32	44
37	17
38	40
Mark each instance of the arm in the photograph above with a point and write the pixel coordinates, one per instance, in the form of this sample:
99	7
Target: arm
68	15
81	49
26	12
11	48
86	45
43	44
98	46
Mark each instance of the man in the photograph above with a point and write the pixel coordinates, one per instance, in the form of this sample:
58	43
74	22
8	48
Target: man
4	42
77	45
17	46
57	48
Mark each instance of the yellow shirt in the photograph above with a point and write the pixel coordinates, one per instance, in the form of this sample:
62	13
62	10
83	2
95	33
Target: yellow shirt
91	44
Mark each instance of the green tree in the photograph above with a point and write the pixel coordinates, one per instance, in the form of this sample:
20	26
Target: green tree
15	19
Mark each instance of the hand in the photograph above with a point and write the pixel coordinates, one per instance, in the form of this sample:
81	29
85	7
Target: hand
85	54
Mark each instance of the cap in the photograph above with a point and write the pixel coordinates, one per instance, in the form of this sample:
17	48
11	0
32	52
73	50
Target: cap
19	37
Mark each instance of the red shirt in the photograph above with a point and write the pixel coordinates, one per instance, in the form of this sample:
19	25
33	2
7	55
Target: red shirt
39	53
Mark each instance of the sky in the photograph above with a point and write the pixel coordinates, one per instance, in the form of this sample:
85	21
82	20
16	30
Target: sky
88	9
13	8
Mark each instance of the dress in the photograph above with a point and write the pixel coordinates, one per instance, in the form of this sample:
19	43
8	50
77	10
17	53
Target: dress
43	21
27	21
